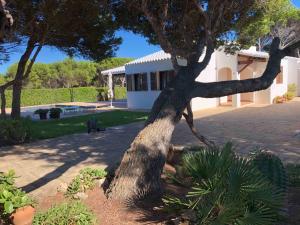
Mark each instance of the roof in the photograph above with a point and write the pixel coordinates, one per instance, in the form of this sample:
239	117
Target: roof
156	56
161	55
117	70
253	53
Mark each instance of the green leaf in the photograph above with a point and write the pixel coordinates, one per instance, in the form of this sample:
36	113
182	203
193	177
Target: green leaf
6	194
8	207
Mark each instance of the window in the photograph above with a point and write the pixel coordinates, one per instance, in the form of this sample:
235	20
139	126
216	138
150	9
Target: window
129	82
165	77
140	82
279	78
154	81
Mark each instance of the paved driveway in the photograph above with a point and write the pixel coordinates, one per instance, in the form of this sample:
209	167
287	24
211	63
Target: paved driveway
275	127
43	165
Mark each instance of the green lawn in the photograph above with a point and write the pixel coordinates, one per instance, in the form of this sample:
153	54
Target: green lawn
77	124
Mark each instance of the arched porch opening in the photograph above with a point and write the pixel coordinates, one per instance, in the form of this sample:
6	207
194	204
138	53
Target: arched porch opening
247	98
224	74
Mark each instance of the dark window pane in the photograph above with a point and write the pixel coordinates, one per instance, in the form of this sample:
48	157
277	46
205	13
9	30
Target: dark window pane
154	85
136	82
165	77
129	82
144	82
140	82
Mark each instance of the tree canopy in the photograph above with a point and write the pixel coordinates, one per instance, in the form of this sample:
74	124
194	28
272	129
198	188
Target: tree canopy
92	35
66	73
84	28
279	14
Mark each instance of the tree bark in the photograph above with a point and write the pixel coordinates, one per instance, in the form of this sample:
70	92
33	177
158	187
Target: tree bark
189	117
140	170
3	97
3	103
21	75
17	86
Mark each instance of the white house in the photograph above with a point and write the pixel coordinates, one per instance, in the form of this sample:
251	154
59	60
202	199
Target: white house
148	75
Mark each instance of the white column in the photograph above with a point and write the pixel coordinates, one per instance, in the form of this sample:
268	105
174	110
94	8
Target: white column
110	89
254	75
236	99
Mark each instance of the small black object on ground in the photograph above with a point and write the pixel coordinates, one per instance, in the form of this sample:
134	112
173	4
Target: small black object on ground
92	126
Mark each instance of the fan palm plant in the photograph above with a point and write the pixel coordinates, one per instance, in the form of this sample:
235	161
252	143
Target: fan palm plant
227	190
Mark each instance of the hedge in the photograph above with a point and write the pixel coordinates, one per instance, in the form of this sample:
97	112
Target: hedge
32	97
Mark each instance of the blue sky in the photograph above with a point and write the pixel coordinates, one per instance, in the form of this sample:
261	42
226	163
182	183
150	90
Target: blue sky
133	46
296	2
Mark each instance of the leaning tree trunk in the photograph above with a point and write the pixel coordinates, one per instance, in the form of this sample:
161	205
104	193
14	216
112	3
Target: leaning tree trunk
16	99
139	173
3	103
21	74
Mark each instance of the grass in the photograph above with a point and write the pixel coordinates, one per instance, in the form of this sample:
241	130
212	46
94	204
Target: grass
77	124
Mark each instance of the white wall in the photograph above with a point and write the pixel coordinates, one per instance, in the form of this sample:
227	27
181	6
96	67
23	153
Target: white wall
293	72
298	75
281	89
247	74
141	99
226	60
264	96
145	99
207	75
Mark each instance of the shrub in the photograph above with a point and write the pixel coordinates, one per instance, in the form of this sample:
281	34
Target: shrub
102	94
293	173
289	96
84	181
32	97
272	167
14	131
55	113
11	198
120	92
41	111
73	212
227	189
292	88
279	99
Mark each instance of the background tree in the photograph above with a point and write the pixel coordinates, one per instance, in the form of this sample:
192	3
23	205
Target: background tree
100	80
48	22
68	73
279	20
185	29
2	79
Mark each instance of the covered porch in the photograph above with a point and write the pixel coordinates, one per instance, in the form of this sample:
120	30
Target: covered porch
247	65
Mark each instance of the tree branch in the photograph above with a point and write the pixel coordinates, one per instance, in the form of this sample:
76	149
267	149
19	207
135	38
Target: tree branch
157	26
225	88
32	61
199	67
189	118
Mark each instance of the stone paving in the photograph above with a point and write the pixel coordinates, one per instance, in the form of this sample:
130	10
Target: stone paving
43	165
274	127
